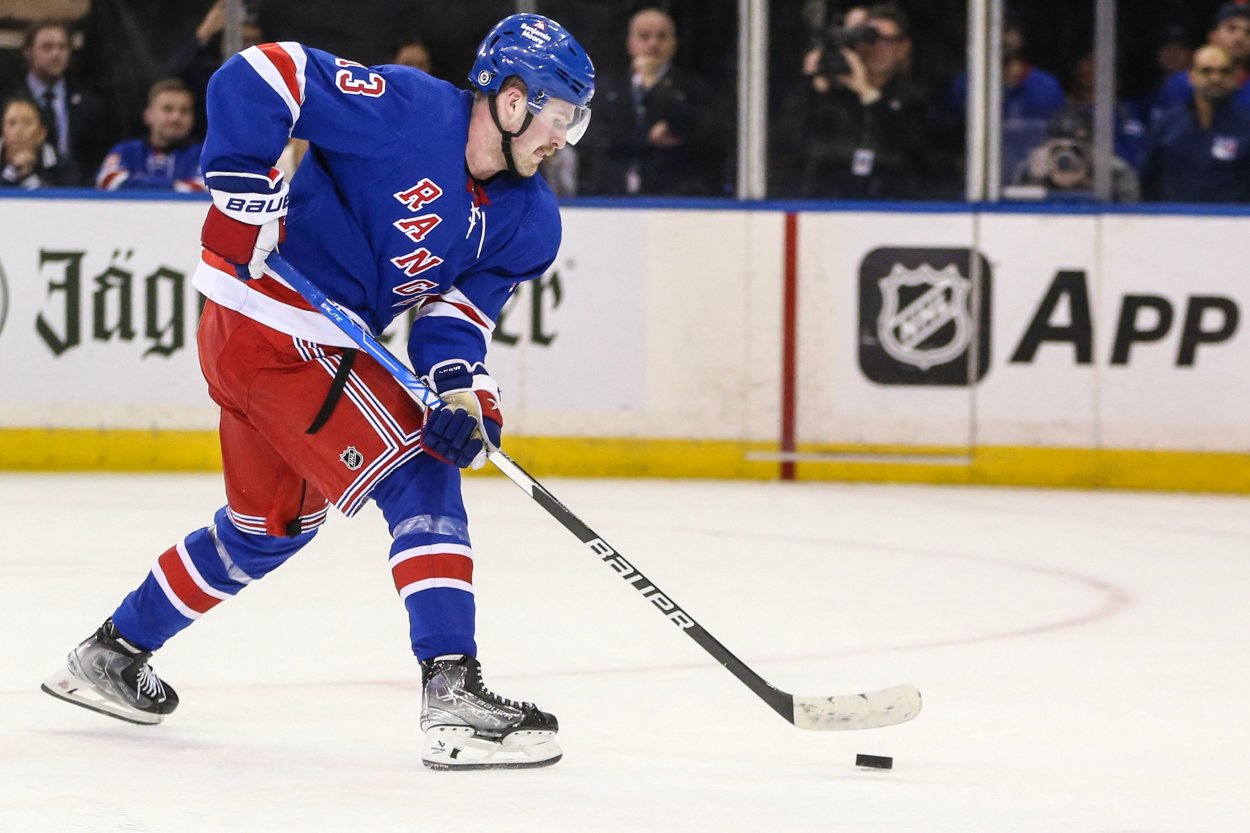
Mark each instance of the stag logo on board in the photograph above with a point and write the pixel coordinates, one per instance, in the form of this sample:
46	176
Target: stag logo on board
922	318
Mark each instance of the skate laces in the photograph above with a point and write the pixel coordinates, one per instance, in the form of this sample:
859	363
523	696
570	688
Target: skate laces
481	687
147	683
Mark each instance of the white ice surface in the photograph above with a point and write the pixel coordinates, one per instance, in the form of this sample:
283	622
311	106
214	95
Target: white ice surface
1083	656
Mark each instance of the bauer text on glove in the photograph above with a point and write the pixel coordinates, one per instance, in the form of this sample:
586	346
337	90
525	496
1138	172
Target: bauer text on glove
247	220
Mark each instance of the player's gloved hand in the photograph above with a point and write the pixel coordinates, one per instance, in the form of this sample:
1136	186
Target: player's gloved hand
470	425
247	220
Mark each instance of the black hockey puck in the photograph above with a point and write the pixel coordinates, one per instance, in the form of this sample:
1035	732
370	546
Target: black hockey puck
874	761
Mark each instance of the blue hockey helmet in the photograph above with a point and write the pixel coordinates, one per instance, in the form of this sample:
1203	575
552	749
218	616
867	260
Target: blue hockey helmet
546	57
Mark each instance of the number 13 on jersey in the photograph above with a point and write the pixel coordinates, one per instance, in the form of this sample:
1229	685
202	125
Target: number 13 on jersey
350	80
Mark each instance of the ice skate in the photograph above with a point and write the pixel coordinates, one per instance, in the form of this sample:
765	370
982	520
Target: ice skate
109	675
467	726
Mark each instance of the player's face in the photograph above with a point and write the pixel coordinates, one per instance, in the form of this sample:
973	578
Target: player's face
170	117
548	132
22	128
48	55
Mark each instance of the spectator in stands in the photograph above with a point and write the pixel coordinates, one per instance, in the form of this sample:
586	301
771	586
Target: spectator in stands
413	53
1173	53
865	131
1200	151
1028	92
16	17
658	131
27	159
167	158
200	56
1230	30
72	116
1031	97
1064	163
1130	128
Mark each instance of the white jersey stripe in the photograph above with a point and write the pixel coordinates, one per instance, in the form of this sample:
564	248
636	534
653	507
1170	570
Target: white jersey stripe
194	573
266	70
301	61
430	549
455	304
159	575
232	293
246	523
431	583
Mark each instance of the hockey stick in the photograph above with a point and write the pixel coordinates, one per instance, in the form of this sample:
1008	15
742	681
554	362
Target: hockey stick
870	710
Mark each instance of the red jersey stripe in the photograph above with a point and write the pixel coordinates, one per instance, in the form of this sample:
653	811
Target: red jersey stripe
182	584
469	313
113	179
438	565
286	68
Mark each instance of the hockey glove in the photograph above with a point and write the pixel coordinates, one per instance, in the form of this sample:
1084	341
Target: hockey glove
247	220
470	425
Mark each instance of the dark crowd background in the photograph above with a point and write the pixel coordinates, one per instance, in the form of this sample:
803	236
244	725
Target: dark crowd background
121	47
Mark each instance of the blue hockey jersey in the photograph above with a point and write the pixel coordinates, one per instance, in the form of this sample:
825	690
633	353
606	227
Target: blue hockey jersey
384	216
136	164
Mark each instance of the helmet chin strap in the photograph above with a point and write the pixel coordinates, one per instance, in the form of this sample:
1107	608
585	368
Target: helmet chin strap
506	136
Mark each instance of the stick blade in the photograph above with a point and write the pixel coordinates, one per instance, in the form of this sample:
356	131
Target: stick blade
871	710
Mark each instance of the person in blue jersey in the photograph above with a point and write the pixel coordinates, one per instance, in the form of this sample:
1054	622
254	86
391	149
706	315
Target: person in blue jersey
1200	151
1030	98
1230	30
413	196
167	158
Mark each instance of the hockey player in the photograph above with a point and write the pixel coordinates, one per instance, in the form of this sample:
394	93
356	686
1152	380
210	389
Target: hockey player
413	195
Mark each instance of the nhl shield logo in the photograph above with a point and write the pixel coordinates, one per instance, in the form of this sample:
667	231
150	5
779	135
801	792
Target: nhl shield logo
924	316
915	331
352	458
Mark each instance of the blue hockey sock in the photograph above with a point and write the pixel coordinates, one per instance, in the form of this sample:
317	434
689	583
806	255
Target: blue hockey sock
209	566
431	558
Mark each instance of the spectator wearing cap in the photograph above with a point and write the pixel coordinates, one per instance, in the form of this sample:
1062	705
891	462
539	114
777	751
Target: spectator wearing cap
1199	151
1230	30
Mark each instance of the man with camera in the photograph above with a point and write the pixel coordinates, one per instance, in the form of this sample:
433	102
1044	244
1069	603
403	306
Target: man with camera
866	132
1064	163
1200	151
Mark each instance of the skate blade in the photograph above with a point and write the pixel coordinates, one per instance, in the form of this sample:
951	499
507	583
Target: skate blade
65	686
456	747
